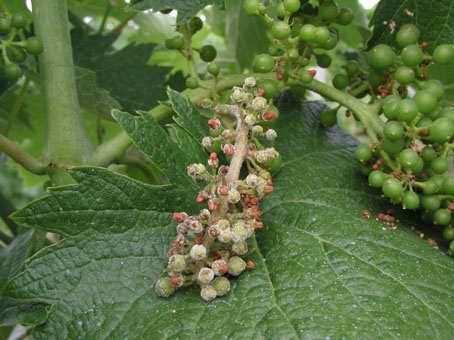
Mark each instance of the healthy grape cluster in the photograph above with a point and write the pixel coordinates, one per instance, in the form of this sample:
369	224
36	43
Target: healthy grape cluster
212	247
15	43
410	163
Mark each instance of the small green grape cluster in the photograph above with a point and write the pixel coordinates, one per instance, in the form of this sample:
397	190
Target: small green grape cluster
299	34
182	42
15	45
212	247
410	163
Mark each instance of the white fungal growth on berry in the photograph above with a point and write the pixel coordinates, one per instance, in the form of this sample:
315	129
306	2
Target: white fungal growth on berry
250	82
198	252
210	246
207	142
259	104
205	276
271	134
208	293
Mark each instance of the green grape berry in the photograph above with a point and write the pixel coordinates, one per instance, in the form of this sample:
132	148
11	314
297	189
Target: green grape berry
195	25
252	7
192	83
263	63
442	216
406	110
280	30
12	71
434	86
292	6
330	43
328	11
404	75
305	76
352	68
428	154
377	178
341	81
345	16
448	233
270	88
393	147
363	153
426	101
16	54
441	130
409	160
208	53
323	60
444	54
431	203
18	21
448	185
410	200
408	34
390	104
175	43
412	55
381	57
392	188
321	35
307	33
430	187
34	46
393	130
439	165
213	69
328	118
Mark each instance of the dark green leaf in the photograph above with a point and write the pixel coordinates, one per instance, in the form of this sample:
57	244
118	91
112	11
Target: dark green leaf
13	312
186	9
154	141
189	118
245	34
13	257
125	74
322	271
433	18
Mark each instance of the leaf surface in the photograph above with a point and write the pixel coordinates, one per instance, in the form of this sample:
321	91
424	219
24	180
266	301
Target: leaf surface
322	271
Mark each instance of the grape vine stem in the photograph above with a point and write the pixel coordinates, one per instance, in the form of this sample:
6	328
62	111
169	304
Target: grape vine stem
21	157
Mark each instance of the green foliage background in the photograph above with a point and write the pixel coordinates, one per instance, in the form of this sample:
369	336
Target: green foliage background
322	270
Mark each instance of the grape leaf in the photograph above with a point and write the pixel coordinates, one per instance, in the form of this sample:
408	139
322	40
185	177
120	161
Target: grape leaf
435	22
186	9
322	270
141	87
244	47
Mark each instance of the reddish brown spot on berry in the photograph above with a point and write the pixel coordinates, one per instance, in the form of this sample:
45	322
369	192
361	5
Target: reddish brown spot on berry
179	216
176	281
214	123
312	72
269	116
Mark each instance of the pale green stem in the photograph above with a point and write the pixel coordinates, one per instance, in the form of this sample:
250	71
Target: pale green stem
67	142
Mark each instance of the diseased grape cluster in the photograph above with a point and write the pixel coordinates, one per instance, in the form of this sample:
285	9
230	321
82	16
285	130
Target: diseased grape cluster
15	44
214	245
400	112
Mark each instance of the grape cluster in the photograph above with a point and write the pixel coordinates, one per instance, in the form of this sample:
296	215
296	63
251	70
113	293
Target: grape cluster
410	163
15	45
301	35
182	42
213	246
